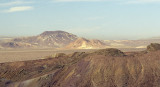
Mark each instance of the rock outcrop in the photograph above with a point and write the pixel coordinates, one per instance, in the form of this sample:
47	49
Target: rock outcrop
110	52
153	47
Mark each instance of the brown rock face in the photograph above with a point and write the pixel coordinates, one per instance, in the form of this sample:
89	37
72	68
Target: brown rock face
103	68
153	47
110	52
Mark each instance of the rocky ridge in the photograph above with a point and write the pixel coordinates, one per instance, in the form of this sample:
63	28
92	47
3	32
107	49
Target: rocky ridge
102	68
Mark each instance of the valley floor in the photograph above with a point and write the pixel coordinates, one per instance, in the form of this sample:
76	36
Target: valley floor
11	55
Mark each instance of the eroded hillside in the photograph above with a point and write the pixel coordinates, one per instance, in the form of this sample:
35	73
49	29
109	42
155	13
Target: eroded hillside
103	68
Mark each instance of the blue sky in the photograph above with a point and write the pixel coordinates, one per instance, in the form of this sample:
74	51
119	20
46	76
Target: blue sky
94	19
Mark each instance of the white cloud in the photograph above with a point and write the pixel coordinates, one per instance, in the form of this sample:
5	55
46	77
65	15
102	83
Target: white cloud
16	9
14	3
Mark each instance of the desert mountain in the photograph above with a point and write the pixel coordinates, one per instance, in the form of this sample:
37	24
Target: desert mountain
62	39
82	43
102	68
54	39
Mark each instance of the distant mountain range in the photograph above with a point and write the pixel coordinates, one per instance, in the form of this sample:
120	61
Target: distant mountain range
47	39
52	39
65	40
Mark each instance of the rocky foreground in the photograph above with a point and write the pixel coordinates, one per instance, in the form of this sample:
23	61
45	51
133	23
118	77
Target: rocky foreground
103	68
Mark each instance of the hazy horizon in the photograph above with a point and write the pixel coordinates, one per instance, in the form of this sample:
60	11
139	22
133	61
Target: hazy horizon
95	19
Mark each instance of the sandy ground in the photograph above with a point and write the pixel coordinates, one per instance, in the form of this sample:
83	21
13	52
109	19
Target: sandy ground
32	54
11	55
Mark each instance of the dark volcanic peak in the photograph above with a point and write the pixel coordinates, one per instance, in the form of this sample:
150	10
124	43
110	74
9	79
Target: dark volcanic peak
53	32
58	34
58	38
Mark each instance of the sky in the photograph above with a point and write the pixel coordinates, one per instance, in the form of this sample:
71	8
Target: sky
93	19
